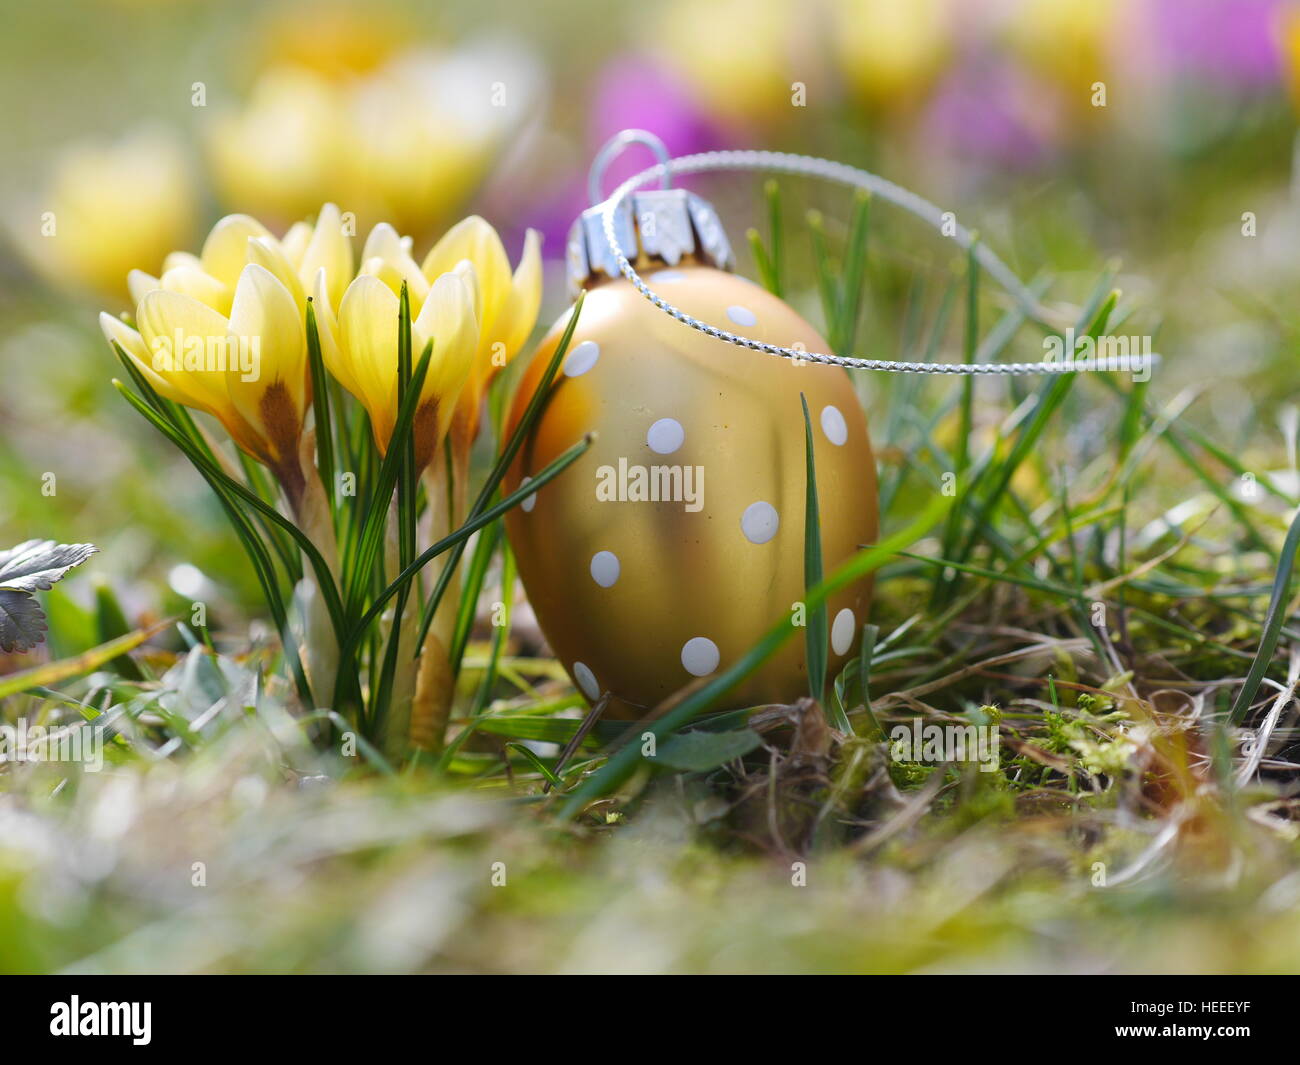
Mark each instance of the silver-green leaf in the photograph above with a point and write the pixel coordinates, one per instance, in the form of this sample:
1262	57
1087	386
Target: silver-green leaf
32	566
698	751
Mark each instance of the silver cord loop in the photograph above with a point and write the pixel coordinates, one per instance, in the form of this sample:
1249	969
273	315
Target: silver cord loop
840	173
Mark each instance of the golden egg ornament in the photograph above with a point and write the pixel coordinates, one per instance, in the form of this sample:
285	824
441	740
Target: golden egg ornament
677	540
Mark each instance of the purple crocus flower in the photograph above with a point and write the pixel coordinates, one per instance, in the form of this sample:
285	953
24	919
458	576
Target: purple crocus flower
989	112
1232	42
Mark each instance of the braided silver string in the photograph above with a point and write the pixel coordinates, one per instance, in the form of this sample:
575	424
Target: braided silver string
842	174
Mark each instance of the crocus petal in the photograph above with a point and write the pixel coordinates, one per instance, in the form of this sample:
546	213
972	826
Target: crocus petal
471	397
368	339
327	326
271	389
205	288
117	331
225	252
181	258
138	283
519	315
383	243
182	337
388	257
447	319
266	253
331	249
294	243
466	272
475	240
393	272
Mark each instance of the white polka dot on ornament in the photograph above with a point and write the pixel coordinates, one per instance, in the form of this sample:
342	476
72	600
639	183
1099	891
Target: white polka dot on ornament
759	522
605	568
834	426
665	436
581	359
700	656
842	630
586	680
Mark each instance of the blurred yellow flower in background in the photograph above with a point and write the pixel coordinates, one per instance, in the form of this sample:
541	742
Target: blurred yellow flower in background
738	55
108	208
405	142
334	39
359	344
283	154
889	52
223	331
1067	42
428	127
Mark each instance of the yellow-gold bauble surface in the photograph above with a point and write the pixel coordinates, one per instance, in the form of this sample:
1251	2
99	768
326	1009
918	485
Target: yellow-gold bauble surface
640	596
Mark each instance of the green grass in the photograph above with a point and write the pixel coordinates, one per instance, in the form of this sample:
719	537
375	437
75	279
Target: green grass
1090	581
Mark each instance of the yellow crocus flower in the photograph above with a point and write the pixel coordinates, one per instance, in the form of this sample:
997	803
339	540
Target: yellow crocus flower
506	305
223	332
248	370
359	347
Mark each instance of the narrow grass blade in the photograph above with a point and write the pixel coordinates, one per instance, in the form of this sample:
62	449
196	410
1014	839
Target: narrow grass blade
321	405
66	668
827	287
372	526
998	477
541	767
855	268
259	482
816	633
971	339
500	631
1272	625
404	448
467	609
762	260
865	654
775	230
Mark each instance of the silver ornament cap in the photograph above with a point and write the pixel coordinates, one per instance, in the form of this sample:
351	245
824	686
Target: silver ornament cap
664	225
